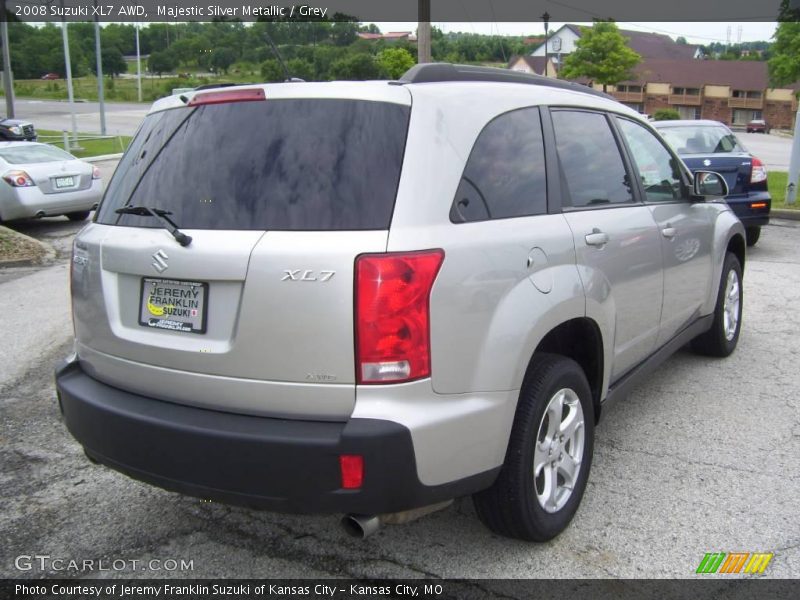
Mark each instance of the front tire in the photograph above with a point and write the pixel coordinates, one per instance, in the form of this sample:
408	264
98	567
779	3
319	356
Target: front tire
752	234
549	454
723	336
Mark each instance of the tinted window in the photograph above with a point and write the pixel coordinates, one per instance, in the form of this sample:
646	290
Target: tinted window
34	153
701	139
658	169
505	173
300	164
592	167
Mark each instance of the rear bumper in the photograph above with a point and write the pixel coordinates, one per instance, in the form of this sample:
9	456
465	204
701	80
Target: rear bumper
30	201
277	464
751	217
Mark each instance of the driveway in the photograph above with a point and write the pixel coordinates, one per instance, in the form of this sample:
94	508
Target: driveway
704	457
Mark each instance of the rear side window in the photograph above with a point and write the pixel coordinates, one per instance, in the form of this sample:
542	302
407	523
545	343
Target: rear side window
592	167
505	173
299	164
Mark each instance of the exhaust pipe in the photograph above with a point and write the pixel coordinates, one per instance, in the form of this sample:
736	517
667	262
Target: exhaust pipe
40	214
360	526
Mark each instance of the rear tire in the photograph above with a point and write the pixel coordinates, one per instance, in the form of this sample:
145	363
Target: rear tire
723	336
78	216
752	234
549	454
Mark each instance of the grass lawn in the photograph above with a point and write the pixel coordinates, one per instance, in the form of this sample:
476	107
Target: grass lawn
89	147
776	182
14	247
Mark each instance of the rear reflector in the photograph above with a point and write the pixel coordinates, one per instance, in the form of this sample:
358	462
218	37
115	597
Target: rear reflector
759	172
226	96
393	315
758	205
352	468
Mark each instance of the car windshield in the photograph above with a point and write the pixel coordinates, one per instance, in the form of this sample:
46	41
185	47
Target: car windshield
702	139
30	153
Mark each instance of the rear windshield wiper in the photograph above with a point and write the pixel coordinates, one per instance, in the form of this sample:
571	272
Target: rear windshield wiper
161	217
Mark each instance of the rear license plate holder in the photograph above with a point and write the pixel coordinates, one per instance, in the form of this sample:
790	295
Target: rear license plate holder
65	182
173	305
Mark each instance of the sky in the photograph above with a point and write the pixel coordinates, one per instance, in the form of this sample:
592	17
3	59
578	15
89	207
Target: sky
695	33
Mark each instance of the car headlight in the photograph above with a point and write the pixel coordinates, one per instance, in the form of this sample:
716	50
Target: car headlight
15	129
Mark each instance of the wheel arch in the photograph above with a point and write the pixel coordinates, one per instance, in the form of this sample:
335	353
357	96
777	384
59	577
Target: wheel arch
736	246
581	340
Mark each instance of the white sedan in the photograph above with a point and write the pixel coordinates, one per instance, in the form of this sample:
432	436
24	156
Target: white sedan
39	180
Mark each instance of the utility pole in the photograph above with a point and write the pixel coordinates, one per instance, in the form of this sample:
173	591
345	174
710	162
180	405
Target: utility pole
546	19
8	81
68	65
794	163
100	97
424	31
138	65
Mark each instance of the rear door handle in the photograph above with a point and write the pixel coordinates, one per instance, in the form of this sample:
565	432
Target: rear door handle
596	238
669	232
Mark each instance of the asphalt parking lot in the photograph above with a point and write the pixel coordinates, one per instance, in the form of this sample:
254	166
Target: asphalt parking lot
705	457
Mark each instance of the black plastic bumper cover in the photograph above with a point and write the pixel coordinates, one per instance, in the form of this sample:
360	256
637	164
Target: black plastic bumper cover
277	464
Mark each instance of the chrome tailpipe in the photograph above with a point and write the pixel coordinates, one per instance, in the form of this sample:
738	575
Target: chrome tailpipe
361	526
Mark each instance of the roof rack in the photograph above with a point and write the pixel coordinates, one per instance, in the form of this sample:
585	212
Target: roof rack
439	72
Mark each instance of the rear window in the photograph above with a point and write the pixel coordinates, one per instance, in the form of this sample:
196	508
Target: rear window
701	139
20	155
299	164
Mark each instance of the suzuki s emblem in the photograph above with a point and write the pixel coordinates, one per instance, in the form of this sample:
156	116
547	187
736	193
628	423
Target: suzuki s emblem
160	261
707	163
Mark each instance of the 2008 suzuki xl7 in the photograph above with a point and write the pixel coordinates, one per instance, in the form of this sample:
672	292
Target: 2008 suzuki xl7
372	297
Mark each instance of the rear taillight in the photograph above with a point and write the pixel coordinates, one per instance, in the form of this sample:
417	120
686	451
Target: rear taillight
227	96
393	315
95	173
18	179
759	172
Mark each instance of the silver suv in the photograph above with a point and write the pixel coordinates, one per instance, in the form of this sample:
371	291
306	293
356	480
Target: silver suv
370	298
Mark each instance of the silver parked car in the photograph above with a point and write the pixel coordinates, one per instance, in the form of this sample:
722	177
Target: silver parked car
370	298
39	180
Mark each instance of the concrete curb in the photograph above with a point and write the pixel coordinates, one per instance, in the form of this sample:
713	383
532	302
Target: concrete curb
102	157
48	256
783	213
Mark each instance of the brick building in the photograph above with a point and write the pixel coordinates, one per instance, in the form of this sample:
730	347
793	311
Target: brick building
733	92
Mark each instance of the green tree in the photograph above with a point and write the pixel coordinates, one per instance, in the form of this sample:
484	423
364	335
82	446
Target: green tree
394	61
161	61
113	62
784	62
355	68
681	40
222	59
301	69
602	55
666	114
271	71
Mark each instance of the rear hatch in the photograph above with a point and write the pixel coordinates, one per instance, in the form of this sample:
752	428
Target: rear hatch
735	167
279	195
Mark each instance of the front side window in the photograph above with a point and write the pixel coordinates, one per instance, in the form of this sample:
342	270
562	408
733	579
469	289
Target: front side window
659	171
591	164
505	173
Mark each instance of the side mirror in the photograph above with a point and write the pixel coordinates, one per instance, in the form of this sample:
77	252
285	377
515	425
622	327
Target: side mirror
709	183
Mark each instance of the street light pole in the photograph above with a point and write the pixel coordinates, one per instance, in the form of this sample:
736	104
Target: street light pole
793	180
138	65
8	83
100	95
68	65
424	31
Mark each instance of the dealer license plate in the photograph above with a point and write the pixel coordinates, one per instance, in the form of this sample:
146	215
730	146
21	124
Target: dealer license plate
173	305
62	182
